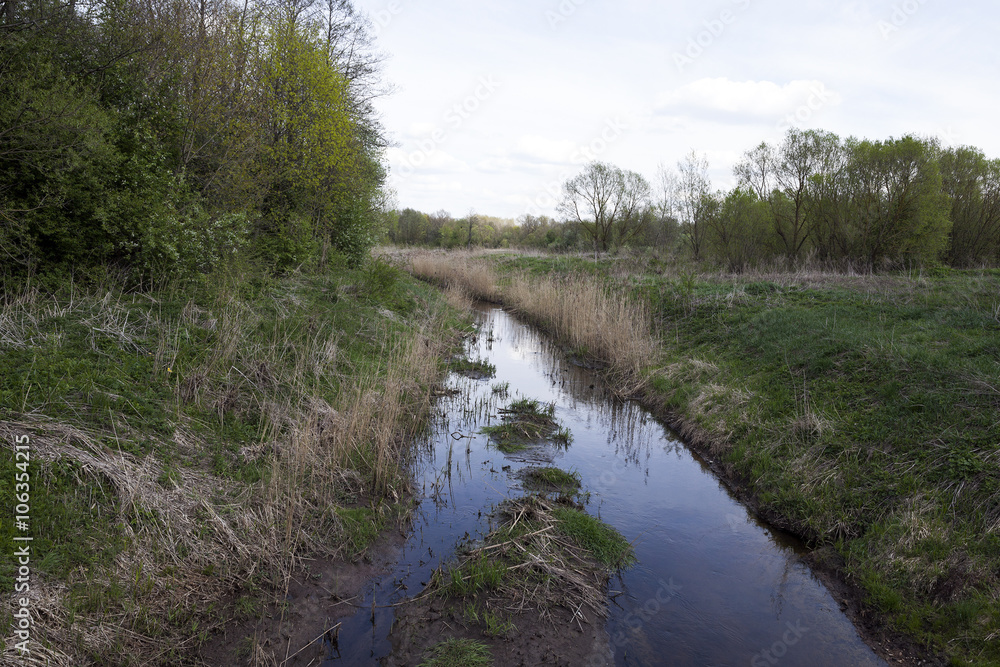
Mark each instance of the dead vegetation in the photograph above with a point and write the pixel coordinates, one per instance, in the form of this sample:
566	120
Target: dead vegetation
529	561
596	321
330	433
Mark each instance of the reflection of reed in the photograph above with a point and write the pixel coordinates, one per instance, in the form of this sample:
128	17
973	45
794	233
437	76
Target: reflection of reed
631	430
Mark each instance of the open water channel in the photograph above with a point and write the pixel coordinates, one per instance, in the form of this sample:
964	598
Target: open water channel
712	586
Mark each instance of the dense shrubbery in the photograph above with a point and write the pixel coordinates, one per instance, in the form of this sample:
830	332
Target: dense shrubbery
846	202
166	136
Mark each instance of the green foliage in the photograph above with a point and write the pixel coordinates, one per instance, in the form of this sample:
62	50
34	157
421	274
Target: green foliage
898	210
133	138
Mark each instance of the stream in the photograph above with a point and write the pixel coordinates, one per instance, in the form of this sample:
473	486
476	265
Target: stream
712	585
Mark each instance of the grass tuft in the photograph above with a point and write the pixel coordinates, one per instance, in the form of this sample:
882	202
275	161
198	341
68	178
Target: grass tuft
524	422
458	653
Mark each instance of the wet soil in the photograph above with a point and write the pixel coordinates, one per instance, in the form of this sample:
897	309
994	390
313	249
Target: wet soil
558	639
304	630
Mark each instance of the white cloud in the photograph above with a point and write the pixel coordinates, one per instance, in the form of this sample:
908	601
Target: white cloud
405	163
541	149
744	100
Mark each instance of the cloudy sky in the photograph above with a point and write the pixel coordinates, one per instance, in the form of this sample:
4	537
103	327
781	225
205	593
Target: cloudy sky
497	103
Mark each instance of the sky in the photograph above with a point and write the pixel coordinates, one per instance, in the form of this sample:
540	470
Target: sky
496	104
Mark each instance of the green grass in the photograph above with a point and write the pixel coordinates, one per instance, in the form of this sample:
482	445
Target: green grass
860	409
477	368
458	653
361	526
524	422
549	478
474	575
602	541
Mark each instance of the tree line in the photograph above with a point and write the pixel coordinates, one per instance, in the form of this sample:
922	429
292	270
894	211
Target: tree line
170	135
814	195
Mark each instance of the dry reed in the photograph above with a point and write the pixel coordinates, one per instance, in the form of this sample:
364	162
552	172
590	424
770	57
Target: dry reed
600	321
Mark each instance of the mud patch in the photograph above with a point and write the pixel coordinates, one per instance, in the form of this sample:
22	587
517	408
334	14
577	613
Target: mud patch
300	630
561	638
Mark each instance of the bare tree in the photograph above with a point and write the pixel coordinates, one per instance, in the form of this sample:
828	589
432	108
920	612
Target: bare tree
609	203
694	198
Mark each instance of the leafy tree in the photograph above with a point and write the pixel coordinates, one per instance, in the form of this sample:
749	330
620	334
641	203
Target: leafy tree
972	184
898	209
783	177
739	230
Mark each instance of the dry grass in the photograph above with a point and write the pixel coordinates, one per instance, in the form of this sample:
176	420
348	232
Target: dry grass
462	268
599	322
541	567
193	539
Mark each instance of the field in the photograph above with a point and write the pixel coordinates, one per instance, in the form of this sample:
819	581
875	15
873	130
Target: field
861	412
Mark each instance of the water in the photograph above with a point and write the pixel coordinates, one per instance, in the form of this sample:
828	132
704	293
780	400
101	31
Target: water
712	586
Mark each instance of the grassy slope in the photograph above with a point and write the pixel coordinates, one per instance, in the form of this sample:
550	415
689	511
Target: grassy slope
189	444
863	412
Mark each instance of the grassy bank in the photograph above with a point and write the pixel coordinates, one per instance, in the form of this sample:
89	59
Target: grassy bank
191	445
859	411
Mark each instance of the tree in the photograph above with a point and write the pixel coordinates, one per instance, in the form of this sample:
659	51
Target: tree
898	208
972	184
738	230
782	177
608	203
694	201
830	201
472	221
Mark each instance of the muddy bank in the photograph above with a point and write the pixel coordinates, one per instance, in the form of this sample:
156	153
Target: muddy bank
534	590
560	639
304	630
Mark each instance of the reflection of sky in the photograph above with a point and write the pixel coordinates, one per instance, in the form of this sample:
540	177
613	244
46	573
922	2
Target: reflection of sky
742	589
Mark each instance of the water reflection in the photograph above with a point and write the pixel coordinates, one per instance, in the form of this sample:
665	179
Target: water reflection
712	587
